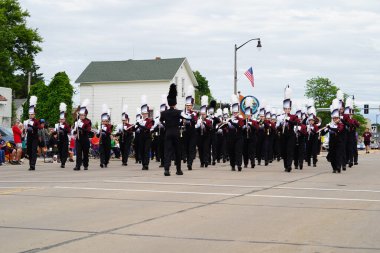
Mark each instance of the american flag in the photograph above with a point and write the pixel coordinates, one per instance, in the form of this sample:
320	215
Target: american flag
249	75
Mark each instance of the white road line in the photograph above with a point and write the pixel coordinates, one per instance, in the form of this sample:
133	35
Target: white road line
81	181
312	198
244	186
151	191
217	194
188	184
20	187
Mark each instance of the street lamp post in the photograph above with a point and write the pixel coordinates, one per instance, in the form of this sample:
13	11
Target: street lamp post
235	65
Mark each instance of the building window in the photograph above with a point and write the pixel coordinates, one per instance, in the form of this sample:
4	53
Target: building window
183	87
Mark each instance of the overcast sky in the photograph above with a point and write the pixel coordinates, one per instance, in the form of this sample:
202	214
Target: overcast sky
301	39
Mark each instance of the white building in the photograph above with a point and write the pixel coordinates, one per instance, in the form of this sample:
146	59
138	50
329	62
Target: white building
5	106
116	83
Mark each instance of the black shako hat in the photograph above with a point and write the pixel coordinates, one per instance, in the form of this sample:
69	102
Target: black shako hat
172	96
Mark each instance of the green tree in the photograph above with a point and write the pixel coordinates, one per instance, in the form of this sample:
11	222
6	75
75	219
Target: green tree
49	98
203	87
18	47
60	90
323	91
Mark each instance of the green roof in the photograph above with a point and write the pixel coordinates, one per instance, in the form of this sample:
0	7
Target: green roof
130	70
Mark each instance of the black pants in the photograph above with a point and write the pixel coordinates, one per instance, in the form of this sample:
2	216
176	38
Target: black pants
63	151
204	148
82	147
137	147
260	147
172	149
105	150
355	151
299	153
287	149
146	141
214	147
189	142
249	150
161	148
125	148
31	147
235	149
220	147
312	149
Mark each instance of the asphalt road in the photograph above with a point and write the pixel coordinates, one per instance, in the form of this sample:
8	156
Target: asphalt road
125	209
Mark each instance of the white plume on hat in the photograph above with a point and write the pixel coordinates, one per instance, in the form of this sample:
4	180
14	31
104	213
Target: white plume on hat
204	100
335	104
190	90
104	109
163	98
143	100
312	111
350	102
288	92
226	111
219	112
125	108
85	103
33	101
62	107
138	110
339	95
248	102
234	99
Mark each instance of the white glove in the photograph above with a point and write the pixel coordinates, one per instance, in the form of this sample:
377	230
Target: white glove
220	131
80	123
341	117
104	128
235	121
31	122
308	128
312	128
299	128
62	126
287	118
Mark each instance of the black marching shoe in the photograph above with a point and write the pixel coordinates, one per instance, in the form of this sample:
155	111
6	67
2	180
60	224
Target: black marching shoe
76	168
252	166
344	169
85	168
179	173
314	165
189	167
301	167
266	163
105	165
206	165
145	168
350	165
101	165
202	165
239	168
167	173
233	168
309	164
32	168
296	167
213	162
62	166
245	165
356	163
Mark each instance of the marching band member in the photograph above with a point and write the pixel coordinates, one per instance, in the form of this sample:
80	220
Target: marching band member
300	147
170	119
82	129
276	137
351	126
104	135
189	133
160	129
137	140
145	124
63	129
336	138
214	121
249	134
203	127
288	137
125	133
312	138
269	129
235	138
32	125
260	134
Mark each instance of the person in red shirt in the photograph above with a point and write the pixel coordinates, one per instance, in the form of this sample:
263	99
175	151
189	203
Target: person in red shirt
17	136
367	140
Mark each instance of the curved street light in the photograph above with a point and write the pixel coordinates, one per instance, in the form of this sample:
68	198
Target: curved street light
236	49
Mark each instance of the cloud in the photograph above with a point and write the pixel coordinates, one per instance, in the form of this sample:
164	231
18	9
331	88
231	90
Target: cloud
301	39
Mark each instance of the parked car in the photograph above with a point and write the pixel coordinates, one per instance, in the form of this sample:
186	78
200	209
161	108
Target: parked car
361	146
374	145
7	134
